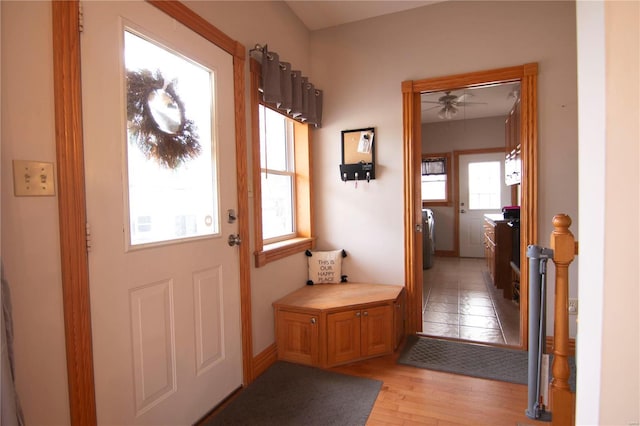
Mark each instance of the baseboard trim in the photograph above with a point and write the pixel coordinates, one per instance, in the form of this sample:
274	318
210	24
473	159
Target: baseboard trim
264	360
549	346
446	253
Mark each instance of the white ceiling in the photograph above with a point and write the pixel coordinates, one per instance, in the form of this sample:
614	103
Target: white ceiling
317	15
493	100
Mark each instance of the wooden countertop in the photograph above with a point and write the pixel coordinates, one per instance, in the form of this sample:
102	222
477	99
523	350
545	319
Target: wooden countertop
496	217
332	296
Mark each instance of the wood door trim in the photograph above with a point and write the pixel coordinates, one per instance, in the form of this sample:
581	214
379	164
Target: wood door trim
199	25
527	74
456	190
72	211
72	200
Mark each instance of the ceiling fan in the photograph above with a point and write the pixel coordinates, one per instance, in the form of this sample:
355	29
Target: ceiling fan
449	104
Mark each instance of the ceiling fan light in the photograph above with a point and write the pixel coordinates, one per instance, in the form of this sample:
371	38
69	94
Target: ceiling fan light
447	112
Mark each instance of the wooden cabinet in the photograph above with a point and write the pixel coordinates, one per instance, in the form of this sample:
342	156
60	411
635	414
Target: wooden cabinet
497	246
513	159
301	342
359	333
332	324
490	248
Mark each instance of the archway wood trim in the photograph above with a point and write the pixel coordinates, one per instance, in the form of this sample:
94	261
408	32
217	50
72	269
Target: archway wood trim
527	74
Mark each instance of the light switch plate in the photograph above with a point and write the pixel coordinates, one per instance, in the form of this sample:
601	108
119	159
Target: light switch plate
33	178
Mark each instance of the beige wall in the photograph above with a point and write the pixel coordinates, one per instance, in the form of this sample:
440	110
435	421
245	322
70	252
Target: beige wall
619	283
361	65
30	243
609	326
452	136
621	302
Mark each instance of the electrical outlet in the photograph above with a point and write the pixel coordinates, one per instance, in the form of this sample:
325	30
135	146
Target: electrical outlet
573	306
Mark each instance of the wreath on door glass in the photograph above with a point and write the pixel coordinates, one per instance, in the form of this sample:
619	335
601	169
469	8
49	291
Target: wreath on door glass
156	119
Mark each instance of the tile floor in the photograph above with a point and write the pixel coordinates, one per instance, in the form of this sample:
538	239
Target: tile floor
459	303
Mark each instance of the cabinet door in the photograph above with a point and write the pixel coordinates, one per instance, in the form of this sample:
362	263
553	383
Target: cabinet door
343	337
297	337
377	330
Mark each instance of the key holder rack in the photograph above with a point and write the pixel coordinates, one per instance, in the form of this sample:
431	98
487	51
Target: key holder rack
358	155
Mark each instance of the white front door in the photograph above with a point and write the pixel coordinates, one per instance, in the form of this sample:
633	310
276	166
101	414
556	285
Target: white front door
482	190
158	118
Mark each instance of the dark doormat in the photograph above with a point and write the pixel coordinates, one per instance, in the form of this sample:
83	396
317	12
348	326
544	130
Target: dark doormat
487	362
291	394
468	359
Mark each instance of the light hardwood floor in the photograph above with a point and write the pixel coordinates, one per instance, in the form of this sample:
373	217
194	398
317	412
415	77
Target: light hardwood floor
414	396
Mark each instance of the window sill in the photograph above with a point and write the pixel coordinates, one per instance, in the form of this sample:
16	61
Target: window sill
282	249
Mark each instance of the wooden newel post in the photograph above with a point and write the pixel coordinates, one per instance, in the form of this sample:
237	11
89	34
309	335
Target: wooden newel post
563	246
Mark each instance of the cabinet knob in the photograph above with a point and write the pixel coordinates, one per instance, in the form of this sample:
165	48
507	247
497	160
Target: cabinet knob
366	313
357	314
313	320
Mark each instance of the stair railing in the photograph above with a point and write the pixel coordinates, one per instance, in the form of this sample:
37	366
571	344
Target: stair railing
561	399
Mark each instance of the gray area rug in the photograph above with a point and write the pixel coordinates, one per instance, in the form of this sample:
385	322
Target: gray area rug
468	359
291	394
487	362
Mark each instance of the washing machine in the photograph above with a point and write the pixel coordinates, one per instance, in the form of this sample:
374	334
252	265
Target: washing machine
428	238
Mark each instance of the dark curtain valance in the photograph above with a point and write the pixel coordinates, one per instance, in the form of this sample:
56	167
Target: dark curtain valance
434	166
288	90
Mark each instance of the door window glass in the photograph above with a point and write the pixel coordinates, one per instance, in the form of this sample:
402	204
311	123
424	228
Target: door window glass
484	185
171	162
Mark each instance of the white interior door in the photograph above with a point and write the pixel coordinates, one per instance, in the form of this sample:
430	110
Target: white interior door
164	282
482	191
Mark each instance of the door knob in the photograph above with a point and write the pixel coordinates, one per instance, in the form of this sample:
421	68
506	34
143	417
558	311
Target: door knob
463	211
234	240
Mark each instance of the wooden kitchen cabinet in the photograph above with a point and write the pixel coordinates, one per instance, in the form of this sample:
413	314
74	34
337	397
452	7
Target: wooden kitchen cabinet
497	246
513	157
332	324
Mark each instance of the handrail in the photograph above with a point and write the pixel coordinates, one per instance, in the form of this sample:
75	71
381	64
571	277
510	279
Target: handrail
562	400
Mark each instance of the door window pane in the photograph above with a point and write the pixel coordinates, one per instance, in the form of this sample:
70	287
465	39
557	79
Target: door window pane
172	174
484	185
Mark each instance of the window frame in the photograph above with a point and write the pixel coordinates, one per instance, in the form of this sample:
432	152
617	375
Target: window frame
290	172
303	239
447	202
